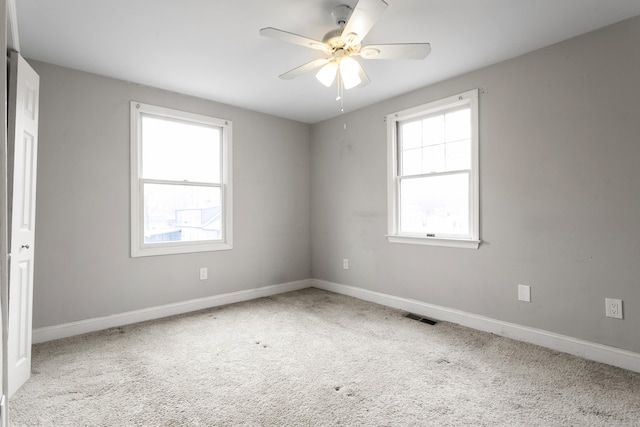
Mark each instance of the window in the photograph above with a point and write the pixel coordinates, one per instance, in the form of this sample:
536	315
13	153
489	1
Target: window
180	182
433	173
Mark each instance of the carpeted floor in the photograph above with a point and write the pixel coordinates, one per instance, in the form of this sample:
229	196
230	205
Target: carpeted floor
314	358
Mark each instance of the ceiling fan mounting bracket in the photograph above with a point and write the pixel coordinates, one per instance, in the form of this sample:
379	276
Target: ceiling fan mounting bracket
333	38
341	14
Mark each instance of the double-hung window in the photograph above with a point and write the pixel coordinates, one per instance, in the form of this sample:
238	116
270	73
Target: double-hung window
433	174
180	182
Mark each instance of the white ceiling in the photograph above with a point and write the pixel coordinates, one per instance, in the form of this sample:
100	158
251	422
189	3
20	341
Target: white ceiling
212	49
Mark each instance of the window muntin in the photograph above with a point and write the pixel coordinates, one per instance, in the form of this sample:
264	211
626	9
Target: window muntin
181	188
436	143
433	173
180	150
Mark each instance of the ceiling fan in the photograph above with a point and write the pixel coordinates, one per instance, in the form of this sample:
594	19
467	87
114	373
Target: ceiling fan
345	42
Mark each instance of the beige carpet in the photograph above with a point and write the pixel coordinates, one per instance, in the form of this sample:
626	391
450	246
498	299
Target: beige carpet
313	358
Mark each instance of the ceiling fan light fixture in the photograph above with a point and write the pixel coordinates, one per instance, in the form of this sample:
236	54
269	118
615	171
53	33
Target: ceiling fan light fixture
350	72
327	74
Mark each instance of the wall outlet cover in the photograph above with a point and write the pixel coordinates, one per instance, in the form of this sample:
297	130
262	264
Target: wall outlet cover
613	308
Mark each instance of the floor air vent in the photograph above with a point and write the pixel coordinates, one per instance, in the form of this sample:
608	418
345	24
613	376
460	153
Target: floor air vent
420	318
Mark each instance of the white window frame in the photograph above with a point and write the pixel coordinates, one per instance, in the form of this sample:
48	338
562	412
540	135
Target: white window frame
138	247
469	98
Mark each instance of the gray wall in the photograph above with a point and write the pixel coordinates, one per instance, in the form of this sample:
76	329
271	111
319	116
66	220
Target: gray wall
83	267
560	194
559	146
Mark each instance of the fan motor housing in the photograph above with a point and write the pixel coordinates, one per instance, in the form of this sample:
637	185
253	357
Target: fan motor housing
333	39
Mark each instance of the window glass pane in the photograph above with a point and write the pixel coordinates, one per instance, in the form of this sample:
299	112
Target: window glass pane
458	155
411	135
180	151
412	162
437	204
433	159
458	125
433	130
181	213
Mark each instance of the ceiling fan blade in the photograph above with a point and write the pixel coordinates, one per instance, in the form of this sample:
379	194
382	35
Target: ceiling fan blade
396	51
309	66
364	16
274	33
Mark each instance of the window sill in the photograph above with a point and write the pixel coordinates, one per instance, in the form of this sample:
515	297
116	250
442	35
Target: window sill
153	250
433	241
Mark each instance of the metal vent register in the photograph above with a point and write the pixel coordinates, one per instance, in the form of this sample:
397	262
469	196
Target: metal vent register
420	318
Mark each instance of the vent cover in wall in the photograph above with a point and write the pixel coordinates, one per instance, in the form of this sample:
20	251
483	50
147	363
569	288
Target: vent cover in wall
420	318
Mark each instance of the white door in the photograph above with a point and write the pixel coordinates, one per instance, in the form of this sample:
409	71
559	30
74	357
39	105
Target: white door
23	147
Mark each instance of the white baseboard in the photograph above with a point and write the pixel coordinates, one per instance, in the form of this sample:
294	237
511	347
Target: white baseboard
585	349
588	350
65	330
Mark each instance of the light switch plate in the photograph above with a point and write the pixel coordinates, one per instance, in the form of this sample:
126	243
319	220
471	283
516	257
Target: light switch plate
524	293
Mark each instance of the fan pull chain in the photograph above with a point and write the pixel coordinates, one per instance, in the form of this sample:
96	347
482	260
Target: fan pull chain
340	93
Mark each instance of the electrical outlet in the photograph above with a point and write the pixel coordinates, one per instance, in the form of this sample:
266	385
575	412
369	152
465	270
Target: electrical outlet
524	293
614	308
204	273
345	264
